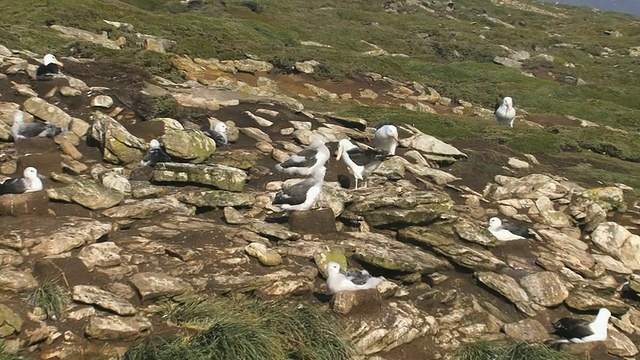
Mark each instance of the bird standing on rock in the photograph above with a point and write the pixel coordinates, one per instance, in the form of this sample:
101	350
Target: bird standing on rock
22	130
361	162
337	280
308	160
504	112
386	138
28	182
49	68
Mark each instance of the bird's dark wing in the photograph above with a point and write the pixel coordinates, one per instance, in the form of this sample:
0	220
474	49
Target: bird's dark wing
518	229
496	107
156	155
570	328
363	157
33	129
13	186
44	70
52	130
304	158
293	195
217	137
358	277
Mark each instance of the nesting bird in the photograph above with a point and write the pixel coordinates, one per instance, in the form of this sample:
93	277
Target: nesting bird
48	68
28	182
361	162
22	130
386	138
155	154
337	280
218	132
308	160
581	331
509	231
303	195
504	111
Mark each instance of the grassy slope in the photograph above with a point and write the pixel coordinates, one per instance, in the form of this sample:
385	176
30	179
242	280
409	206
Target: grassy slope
228	29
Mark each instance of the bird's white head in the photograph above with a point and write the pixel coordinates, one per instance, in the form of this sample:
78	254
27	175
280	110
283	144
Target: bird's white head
392	131
30	173
508	101
495	223
344	145
333	268
603	316
154	144
220	128
51	59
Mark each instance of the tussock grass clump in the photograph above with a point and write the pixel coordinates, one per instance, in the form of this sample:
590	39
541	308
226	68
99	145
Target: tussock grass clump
244	328
50	297
509	350
6	355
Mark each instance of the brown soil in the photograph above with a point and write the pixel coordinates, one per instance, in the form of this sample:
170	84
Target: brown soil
122	82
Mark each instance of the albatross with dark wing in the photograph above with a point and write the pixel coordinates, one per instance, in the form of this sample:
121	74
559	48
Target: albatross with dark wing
155	154
28	182
22	130
218	132
581	331
361	162
48	68
337	280
305	162
303	195
386	138
509	231
504	111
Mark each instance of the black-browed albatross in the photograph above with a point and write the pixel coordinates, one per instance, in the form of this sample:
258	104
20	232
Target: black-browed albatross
48	68
218	132
509	231
337	280
154	155
28	182
303	195
22	130
361	162
306	161
504	111
386	138
581	331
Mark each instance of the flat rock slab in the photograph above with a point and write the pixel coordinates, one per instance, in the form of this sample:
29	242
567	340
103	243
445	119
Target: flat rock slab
509	288
34	203
117	327
219	176
156	285
104	299
217	198
49	235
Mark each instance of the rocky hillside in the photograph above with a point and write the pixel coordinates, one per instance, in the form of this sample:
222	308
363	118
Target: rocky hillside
120	240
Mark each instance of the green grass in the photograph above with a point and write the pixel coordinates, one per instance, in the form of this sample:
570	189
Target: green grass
509	350
6	355
243	328
51	298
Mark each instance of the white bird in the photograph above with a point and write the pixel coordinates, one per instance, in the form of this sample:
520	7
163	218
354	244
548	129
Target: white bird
154	155
508	231
581	331
504	112
22	130
339	281
361	162
386	138
28	182
303	195
218	132
48	68
308	160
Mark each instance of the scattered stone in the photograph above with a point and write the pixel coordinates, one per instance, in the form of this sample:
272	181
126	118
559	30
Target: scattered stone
102	101
151	286
115	327
93	295
219	176
266	256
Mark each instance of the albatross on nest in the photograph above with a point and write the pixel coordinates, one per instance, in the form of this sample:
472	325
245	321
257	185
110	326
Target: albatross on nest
504	112
386	138
28	182
305	162
509	231
22	130
338	280
361	162
48	68
218	132
303	195
155	154
581	331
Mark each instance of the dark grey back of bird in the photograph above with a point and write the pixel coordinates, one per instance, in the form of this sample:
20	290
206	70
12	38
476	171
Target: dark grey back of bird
570	328
358	277
309	155
154	156
13	186
217	137
39	129
519	230
295	194
46	72
364	157
496	107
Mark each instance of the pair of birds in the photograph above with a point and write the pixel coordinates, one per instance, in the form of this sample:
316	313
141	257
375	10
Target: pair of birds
311	161
156	153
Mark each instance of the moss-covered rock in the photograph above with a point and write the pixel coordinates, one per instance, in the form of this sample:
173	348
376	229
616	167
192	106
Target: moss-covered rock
219	176
191	145
10	322
216	198
116	143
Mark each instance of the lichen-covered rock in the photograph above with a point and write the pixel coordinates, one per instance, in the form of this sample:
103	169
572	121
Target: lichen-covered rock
102	254
116	143
191	145
617	241
152	286
266	256
47	112
509	288
104	299
10	322
115	327
216	198
587	299
531	186
545	288
85	192
15	280
219	176
144	209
